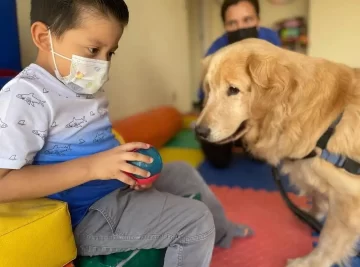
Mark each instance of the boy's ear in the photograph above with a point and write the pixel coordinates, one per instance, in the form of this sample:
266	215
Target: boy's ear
40	36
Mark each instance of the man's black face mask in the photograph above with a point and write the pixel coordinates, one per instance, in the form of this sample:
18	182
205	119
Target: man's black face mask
242	34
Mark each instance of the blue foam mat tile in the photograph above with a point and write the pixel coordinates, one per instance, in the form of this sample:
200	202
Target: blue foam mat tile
243	172
314	234
354	262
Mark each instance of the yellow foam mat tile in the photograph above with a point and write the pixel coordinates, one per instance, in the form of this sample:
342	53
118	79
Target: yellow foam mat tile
193	156
188	120
36	233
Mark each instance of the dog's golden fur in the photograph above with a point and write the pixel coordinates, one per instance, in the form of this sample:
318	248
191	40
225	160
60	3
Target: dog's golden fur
288	100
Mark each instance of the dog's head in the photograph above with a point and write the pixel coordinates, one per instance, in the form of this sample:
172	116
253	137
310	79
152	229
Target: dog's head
241	83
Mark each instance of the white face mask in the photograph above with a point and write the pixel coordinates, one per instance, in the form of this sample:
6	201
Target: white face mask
86	76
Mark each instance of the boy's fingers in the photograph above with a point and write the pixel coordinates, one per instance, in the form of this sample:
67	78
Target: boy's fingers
126	179
129	168
133	156
133	145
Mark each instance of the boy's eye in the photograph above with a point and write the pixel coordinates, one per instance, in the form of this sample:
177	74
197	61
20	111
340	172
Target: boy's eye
93	50
111	54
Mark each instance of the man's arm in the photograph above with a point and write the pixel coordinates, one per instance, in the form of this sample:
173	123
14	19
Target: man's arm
276	39
40	181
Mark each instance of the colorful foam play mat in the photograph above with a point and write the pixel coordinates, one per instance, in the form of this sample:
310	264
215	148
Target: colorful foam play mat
249	195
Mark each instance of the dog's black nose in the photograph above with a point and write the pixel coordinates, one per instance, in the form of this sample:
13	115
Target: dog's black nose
203	132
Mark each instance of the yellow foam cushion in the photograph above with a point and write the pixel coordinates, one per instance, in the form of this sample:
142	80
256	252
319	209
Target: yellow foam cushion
36	233
193	156
118	136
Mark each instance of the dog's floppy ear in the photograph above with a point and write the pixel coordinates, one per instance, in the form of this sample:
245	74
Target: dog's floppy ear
267	73
205	63
271	85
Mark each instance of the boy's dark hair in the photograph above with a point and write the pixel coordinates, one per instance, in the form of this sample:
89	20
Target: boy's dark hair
228	3
63	15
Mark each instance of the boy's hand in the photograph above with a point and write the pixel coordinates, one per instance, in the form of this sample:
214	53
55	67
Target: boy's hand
112	164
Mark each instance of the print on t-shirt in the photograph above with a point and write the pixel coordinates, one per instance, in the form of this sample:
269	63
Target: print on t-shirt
58	150
43	122
3	124
31	99
41	134
76	123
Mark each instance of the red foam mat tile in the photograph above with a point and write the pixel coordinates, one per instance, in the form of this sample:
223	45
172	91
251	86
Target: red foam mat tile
279	235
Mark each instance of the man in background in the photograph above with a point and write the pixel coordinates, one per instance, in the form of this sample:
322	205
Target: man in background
241	20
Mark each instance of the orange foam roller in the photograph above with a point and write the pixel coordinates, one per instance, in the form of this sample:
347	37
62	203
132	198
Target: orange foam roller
155	127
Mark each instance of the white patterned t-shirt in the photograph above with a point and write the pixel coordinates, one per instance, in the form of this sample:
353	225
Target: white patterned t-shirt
44	122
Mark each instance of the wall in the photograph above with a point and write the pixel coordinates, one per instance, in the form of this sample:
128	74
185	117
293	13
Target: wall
334	32
272	13
28	50
151	67
196	39
204	27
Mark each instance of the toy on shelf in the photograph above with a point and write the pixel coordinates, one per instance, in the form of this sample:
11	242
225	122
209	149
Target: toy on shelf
293	33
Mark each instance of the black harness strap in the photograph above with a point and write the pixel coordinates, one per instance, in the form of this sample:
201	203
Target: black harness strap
339	161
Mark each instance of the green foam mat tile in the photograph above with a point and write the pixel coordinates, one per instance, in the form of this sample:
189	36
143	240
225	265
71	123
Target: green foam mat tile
150	257
184	139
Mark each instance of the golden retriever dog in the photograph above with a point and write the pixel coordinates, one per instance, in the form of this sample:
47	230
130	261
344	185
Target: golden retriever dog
280	103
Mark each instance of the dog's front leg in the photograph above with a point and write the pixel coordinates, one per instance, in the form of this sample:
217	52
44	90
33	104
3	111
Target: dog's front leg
319	207
337	239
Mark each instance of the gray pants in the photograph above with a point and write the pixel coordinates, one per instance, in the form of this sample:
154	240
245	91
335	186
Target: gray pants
158	218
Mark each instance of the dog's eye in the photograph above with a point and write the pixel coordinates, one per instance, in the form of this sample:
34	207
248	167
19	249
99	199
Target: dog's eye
233	91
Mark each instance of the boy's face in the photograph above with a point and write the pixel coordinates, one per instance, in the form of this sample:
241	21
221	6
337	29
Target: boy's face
95	37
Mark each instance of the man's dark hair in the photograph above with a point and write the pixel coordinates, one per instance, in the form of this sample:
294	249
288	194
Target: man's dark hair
63	15
228	3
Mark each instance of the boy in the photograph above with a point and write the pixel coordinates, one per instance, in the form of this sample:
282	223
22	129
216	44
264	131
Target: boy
56	141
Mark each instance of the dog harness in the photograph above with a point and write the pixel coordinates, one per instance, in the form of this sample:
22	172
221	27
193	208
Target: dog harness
339	161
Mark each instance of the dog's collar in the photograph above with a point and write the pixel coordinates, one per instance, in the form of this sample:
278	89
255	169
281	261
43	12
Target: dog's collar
339	161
